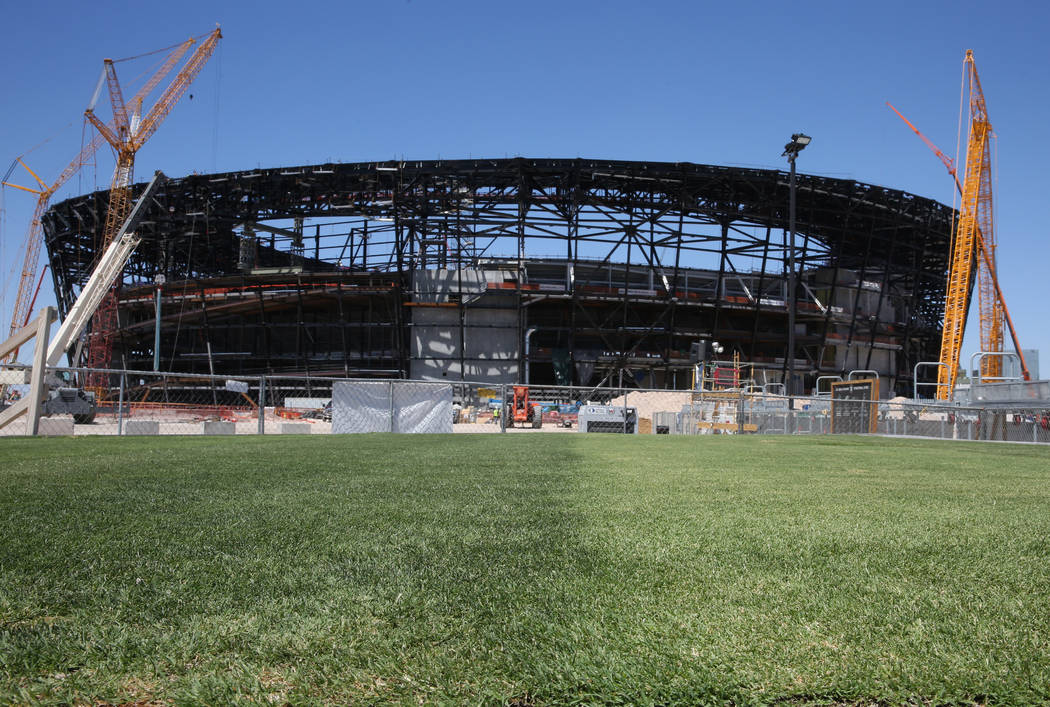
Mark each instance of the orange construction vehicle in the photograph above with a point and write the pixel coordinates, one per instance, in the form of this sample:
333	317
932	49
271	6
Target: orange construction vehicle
521	410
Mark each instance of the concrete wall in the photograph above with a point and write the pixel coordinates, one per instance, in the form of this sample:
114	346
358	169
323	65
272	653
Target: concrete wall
487	346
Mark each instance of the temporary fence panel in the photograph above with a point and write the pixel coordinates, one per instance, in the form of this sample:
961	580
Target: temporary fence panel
361	406
422	407
395	406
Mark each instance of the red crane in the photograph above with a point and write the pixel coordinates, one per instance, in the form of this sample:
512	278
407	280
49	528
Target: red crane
126	134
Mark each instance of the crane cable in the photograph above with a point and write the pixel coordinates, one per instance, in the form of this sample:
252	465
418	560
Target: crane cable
3	230
215	117
957	196
158	51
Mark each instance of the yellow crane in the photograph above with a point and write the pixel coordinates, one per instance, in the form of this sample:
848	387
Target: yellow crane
972	255
126	134
986	263
975	220
34	235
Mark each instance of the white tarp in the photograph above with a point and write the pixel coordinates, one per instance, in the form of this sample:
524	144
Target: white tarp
366	406
359	406
422	407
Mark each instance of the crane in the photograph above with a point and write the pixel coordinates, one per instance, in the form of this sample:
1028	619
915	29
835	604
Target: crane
975	214
23	304
127	133
986	261
974	236
102	277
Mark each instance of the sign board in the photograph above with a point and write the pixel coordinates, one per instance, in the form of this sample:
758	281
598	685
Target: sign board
854	406
237	386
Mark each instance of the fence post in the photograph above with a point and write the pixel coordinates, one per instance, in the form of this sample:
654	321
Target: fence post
740	413
120	406
262	405
625	411
503	407
392	426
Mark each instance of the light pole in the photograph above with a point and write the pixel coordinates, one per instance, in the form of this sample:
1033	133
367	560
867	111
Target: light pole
791	150
159	279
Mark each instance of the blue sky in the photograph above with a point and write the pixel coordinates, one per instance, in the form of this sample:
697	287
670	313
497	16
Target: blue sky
717	83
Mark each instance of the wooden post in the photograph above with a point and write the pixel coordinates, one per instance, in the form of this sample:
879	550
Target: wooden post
37	387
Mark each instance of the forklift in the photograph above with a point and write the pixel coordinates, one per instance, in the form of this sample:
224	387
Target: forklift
519	409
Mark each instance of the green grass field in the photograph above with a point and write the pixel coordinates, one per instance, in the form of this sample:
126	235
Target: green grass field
522	569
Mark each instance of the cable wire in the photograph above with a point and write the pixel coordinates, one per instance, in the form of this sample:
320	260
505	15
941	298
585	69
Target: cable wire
157	51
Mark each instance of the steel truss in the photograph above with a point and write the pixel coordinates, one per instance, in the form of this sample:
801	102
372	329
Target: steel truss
315	269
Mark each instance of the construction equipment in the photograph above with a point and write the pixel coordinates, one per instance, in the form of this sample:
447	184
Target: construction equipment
608	418
128	133
78	403
973	241
23	305
985	258
522	410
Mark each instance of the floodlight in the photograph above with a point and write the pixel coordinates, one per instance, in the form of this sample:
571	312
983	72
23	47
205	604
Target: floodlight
798	142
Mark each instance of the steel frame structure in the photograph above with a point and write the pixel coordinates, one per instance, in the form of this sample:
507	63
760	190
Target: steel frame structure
622	265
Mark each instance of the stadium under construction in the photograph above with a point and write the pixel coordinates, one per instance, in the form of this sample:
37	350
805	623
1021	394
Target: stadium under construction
545	271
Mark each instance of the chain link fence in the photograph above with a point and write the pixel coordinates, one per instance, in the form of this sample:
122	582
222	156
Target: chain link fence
114	402
14	385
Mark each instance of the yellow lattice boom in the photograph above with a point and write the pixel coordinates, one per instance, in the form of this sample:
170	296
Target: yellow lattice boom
975	221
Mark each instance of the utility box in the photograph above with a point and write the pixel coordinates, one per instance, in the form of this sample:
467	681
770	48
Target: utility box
608	418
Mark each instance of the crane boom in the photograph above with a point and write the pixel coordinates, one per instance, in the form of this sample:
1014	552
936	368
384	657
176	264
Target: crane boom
975	217
176	88
127	138
103	276
948	161
986	260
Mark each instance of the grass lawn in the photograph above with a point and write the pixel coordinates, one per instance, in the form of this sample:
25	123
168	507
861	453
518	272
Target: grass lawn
543	569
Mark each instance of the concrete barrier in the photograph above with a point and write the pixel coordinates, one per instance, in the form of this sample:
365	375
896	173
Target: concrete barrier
218	427
55	427
141	427
295	428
